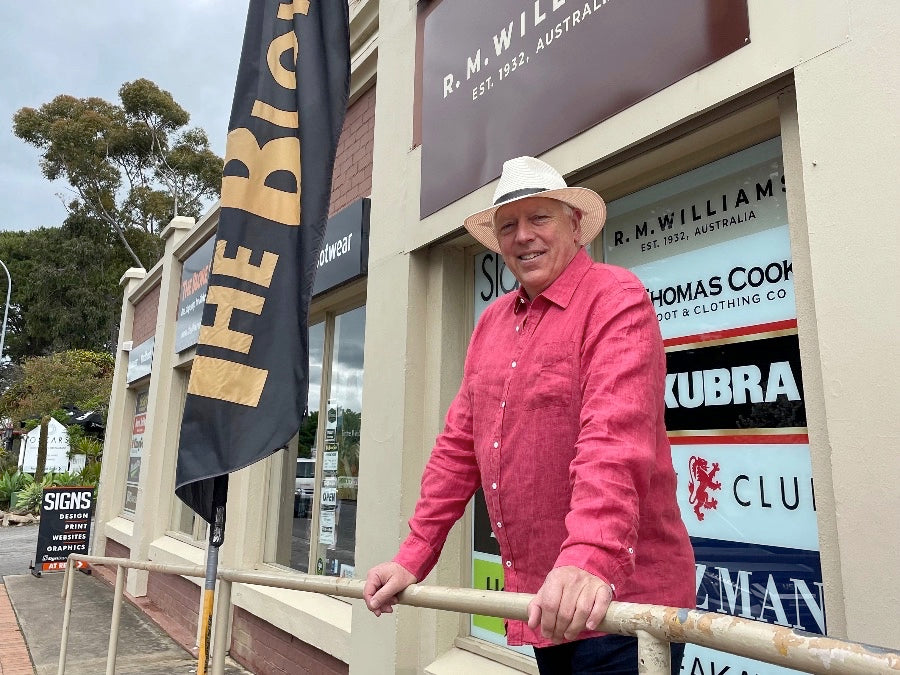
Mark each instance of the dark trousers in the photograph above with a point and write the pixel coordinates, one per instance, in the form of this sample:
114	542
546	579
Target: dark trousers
611	654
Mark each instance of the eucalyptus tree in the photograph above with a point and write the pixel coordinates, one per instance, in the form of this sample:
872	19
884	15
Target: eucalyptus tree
131	165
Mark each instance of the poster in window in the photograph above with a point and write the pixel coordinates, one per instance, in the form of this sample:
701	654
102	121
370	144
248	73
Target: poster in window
135	452
712	247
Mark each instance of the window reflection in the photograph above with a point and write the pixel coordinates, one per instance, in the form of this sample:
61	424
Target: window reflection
304	479
340	461
334	516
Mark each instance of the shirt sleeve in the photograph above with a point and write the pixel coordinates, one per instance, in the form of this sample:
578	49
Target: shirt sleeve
622	385
450	479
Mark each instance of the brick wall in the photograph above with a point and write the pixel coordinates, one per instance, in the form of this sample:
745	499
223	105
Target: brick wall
175	606
144	325
353	163
266	650
116	550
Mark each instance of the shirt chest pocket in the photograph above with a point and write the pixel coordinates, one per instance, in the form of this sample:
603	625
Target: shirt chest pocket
556	377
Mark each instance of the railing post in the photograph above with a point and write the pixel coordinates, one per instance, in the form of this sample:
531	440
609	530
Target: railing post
221	626
67	612
114	624
654	655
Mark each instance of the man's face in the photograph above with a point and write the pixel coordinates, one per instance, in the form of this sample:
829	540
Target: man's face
538	239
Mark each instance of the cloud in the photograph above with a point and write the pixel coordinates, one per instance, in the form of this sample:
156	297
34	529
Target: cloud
90	48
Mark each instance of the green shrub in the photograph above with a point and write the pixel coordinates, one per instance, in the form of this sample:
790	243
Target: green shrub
64	478
10	482
29	499
90	474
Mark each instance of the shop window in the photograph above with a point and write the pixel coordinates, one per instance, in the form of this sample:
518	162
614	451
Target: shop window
712	247
326	467
138	424
491	280
304	468
184	519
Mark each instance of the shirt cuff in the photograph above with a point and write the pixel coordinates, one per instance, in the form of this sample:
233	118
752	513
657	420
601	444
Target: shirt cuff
596	562
417	557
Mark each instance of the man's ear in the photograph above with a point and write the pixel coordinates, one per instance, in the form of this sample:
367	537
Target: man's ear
576	224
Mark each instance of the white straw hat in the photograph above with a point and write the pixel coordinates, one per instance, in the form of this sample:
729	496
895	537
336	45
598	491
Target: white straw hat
529	177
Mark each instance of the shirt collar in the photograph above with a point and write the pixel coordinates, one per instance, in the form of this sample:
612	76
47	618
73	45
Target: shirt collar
560	292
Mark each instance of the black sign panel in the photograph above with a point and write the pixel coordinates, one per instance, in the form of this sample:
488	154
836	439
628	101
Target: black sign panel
766	583
754	384
345	250
485	541
66	514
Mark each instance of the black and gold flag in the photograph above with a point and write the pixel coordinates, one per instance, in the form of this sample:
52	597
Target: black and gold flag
249	378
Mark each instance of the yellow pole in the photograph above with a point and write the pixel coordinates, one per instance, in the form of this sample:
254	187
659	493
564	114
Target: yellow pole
206	615
216	537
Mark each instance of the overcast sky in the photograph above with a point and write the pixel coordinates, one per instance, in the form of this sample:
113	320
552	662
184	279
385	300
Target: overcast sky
190	48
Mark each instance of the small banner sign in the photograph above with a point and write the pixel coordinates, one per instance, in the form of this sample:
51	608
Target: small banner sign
66	514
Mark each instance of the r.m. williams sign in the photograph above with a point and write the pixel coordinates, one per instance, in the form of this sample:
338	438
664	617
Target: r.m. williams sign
515	77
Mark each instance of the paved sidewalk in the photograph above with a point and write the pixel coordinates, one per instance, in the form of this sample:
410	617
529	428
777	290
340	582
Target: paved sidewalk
143	647
14	658
17	547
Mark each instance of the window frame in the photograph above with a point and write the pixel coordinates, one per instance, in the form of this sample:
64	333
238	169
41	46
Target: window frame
325	309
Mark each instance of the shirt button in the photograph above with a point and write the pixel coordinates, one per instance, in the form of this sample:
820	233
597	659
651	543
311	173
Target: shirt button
493	486
513	364
499	525
502	404
517	329
496	444
631	550
509	563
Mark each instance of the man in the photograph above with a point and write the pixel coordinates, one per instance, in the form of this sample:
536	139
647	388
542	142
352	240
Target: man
560	420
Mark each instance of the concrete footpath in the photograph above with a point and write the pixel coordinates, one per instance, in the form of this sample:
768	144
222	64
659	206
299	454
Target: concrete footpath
17	547
31	616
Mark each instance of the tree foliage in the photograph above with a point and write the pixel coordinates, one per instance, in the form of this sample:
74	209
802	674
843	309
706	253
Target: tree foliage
306	436
131	165
78	377
65	286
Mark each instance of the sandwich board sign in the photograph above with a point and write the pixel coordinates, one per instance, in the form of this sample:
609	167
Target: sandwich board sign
65	528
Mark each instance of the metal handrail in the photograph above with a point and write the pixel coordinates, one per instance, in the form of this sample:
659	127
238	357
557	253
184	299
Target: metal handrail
654	625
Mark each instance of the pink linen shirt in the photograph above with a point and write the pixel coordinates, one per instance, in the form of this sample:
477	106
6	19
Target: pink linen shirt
560	420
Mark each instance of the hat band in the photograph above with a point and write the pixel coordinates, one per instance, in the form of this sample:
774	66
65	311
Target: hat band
515	194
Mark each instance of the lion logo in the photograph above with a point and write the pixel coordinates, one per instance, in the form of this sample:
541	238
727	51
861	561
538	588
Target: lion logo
701	483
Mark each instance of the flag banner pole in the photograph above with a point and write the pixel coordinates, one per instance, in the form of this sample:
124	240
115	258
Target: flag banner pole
216	539
247	392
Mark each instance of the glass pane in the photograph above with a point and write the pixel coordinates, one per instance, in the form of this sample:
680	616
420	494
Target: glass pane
340	461
306	454
135	452
183	518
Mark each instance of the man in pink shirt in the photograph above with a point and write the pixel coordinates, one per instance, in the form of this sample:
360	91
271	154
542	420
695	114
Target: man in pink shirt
560	419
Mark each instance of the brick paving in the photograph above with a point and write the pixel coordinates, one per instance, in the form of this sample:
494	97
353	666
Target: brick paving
14	656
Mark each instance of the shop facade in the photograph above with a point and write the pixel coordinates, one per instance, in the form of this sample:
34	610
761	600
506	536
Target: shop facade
747	155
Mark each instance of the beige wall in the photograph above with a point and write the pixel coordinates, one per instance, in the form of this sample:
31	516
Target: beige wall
847	103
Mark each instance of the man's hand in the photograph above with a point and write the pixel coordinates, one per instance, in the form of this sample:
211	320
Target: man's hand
570	601
384	583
